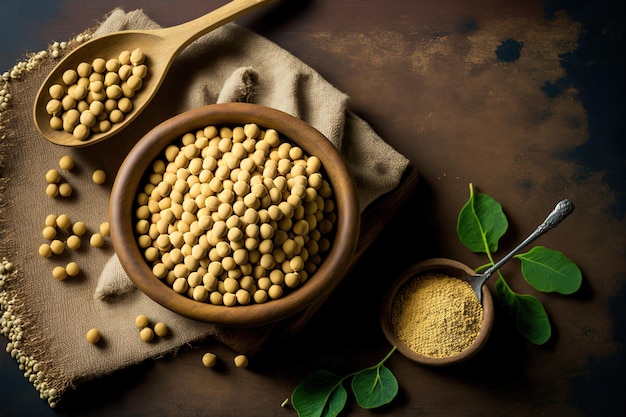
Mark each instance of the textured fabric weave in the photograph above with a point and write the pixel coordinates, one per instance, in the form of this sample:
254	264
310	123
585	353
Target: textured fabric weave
229	64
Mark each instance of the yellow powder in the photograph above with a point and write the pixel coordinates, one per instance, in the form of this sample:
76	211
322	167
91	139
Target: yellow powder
436	315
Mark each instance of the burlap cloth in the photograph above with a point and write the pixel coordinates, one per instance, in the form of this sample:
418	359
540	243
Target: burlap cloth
45	319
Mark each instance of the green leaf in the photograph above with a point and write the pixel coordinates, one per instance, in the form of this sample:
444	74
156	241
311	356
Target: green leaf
374	387
548	270
530	316
481	223
321	394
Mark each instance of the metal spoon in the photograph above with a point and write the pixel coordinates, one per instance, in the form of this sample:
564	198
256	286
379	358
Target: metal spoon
561	211
161	47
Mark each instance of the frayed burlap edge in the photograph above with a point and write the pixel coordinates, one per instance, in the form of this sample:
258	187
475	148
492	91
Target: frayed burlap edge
15	317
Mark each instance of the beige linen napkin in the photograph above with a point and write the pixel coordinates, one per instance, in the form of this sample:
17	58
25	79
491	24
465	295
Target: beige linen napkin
51	317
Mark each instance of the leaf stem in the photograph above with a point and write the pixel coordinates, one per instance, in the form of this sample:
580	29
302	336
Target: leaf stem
483	234
378	365
488	252
393	349
483	267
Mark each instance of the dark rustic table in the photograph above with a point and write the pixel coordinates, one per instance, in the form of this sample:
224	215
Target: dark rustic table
523	99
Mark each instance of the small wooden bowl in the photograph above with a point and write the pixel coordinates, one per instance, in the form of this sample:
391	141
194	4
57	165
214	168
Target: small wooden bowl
451	268
318	286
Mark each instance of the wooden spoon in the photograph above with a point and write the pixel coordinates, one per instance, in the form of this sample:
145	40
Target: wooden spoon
160	46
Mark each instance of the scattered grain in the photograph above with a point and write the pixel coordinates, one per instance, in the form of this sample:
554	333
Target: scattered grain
142	321
66	162
209	359
146	334
93	336
160	329
59	273
241	361
98	176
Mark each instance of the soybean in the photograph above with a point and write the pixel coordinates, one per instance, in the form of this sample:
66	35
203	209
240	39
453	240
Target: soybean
73	242
98	176
241	361
53	176
146	334
66	162
142	321
72	269
65	189
45	251
59	273
96	240
63	221
51	220
209	359
52	190
57	247
160	329
105	229
79	228
49	232
93	336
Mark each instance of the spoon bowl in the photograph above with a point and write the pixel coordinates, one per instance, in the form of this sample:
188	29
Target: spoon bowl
160	46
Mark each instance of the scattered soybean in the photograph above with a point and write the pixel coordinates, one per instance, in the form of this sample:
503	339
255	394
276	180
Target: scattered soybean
96	240
146	334
59	273
73	242
160	329
142	321
209	359
99	176
241	361
66	162
72	269
65	189
93	336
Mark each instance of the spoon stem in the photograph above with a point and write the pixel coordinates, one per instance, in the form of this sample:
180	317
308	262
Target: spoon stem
560	212
189	31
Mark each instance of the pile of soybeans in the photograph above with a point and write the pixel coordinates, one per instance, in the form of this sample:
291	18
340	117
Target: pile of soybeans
95	95
234	215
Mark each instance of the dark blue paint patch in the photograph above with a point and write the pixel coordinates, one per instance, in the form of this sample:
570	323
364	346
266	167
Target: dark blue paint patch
509	50
597	69
554	89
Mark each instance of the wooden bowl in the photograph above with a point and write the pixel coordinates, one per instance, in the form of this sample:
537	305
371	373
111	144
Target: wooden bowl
451	268
317	287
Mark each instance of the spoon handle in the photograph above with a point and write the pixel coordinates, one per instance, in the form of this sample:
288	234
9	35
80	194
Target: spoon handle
185	33
560	212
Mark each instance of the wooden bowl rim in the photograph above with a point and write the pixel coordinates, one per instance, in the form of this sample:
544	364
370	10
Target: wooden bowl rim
450	267
319	285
